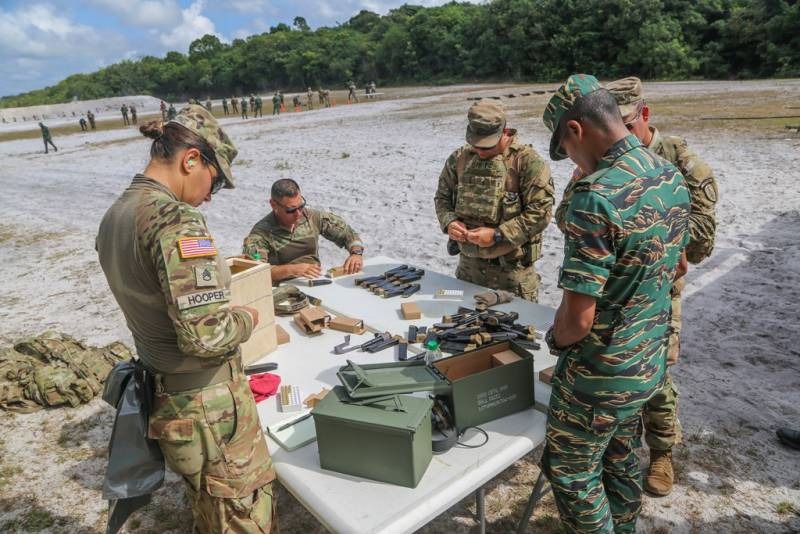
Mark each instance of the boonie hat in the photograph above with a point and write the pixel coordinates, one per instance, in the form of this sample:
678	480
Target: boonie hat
487	118
628	93
199	120
563	100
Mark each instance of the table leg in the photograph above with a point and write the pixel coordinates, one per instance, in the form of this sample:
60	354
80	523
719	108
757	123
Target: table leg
480	508
536	494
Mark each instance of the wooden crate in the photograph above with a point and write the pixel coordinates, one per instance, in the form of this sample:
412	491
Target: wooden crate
251	285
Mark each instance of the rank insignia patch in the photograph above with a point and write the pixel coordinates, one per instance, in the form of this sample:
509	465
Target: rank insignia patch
196	247
205	275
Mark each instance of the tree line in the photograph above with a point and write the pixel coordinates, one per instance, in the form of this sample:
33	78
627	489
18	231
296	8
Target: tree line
515	40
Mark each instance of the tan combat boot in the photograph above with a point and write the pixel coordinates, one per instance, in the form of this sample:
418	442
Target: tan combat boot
661	476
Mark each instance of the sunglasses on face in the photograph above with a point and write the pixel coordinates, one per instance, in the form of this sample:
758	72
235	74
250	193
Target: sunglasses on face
219	180
290	211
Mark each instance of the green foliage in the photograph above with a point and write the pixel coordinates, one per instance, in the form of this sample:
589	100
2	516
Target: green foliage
536	40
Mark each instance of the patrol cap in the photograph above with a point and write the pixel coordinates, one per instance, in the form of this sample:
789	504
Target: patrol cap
487	118
628	94
571	91
199	120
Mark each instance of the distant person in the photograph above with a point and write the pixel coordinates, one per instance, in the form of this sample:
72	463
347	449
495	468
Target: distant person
235	105
46	137
494	200
90	116
372	88
276	104
310	99
163	108
259	104
208	105
321	96
244	107
133	114
327	98
171	112
225	106
296	103
288	237
82	122
351	95
252	102
283	107
124	110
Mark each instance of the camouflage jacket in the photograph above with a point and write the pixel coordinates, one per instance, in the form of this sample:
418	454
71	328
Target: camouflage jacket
271	242
171	284
625	230
45	132
524	208
702	190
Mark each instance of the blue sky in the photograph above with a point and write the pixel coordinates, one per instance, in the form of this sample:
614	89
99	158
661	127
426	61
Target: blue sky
44	41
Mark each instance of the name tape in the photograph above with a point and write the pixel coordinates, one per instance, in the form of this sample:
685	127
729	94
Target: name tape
201	298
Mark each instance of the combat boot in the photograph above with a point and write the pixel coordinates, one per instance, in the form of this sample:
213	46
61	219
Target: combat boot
660	478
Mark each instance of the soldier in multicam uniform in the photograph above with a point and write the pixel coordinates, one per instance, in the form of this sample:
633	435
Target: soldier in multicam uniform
495	198
173	288
288	238
626	229
235	104
310	99
662	428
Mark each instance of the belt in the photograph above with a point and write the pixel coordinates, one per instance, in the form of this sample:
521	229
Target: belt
228	371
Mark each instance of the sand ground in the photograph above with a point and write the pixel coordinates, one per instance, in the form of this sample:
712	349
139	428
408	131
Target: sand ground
377	165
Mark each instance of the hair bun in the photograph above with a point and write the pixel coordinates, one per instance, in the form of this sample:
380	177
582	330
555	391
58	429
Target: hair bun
153	129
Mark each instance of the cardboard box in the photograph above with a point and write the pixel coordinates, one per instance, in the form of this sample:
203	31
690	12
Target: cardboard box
282	335
314	398
546	375
251	285
479	386
336	272
387	440
312	319
347	324
410	311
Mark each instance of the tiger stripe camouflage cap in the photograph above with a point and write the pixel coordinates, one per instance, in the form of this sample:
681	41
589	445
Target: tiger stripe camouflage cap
628	93
571	91
199	120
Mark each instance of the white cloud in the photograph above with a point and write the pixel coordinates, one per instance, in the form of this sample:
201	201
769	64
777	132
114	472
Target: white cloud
249	6
158	13
193	25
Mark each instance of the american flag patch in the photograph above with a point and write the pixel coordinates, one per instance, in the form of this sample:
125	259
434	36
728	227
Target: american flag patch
196	247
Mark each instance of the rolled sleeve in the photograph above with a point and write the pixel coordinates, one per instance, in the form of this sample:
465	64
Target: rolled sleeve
589	253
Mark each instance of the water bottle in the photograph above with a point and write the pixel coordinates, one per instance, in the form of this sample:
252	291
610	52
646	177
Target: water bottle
433	353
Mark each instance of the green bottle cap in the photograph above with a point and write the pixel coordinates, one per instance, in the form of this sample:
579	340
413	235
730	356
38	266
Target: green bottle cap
256	256
432	344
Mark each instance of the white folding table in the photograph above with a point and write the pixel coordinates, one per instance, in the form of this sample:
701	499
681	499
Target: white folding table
346	504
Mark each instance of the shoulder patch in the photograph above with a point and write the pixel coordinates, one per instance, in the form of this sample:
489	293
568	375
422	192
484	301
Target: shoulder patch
196	247
709	189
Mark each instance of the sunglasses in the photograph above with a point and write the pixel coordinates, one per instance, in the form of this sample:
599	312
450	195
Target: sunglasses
219	179
289	211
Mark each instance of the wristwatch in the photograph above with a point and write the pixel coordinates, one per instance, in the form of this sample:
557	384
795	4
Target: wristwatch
550	339
359	251
498	236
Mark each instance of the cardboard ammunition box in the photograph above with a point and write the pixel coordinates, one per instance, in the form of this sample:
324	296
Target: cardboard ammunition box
336	272
387	439
481	385
411	310
347	324
251	285
281	334
546	375
312	319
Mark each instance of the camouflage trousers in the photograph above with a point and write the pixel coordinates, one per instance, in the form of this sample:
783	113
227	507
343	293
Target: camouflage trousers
590	462
212	437
661	424
660	414
515	277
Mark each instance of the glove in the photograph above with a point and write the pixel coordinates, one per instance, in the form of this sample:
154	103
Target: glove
497	296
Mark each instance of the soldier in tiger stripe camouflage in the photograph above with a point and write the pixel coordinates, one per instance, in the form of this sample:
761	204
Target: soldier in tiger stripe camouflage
626	229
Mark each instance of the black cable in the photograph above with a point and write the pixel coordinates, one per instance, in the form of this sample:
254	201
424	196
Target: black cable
479	429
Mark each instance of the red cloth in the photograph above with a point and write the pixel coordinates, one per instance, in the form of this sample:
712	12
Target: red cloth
264	385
